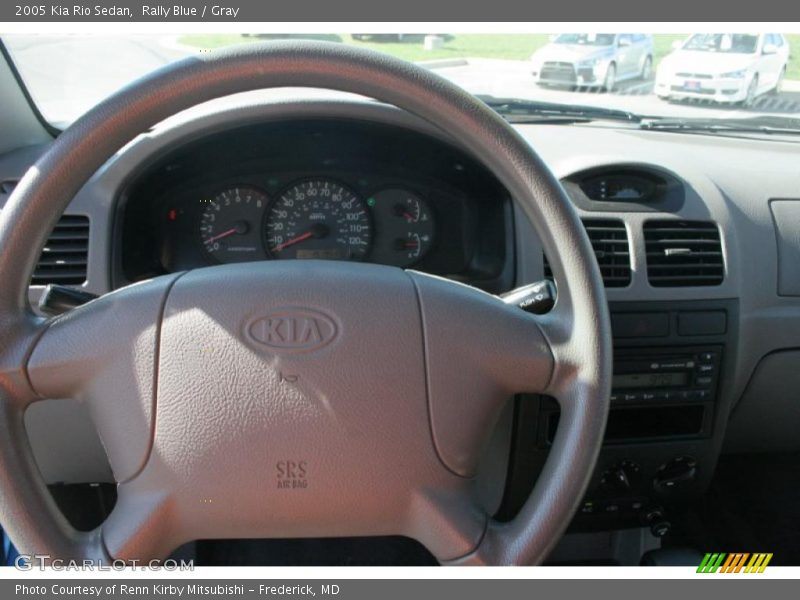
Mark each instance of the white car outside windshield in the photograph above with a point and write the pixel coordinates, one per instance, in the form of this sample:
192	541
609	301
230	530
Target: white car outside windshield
724	68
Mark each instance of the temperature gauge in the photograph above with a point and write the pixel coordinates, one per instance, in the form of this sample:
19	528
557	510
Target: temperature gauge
404	227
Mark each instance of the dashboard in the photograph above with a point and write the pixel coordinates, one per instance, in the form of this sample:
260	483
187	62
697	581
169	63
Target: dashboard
706	336
319	189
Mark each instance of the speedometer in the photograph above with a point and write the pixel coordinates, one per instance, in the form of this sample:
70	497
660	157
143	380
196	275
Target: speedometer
318	218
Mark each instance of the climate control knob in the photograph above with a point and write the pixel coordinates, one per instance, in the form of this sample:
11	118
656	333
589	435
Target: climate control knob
623	476
676	473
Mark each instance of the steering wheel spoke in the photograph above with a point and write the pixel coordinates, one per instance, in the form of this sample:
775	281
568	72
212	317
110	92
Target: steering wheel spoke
449	523
144	525
480	351
17	337
574	384
104	353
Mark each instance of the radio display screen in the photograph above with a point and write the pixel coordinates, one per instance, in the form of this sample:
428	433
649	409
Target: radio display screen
649	380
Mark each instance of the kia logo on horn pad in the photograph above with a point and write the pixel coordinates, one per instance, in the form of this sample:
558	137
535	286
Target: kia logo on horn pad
292	330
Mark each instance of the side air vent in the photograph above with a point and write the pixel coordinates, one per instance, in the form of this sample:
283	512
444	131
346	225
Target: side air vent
6	187
610	243
683	253
64	258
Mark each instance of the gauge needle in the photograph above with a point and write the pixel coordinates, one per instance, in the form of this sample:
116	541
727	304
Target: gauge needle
293	241
401	211
401	244
240	227
219	236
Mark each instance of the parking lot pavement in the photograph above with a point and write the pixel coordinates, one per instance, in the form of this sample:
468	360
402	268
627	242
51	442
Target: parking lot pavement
505	78
68	74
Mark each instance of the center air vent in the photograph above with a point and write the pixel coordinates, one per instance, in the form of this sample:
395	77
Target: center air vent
683	253
610	243
65	255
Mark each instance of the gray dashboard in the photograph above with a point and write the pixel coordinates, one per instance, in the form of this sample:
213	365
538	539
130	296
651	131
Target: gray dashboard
728	181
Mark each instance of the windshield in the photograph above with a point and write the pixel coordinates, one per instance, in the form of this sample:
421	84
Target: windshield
586	39
735	43
729	76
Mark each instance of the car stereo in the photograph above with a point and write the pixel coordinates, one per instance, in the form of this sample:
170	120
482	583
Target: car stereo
680	375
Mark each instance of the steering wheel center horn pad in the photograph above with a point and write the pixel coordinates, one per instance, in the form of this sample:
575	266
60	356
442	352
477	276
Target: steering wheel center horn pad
301	398
297	399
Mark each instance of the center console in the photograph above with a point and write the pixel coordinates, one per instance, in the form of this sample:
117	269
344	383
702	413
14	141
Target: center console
662	437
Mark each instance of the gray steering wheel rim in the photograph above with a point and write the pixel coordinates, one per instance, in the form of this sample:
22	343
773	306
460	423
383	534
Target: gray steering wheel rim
580	329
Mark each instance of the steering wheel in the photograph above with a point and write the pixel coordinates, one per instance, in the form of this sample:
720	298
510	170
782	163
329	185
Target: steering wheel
300	398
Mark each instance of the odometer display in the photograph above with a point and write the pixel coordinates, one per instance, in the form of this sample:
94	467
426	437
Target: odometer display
318	218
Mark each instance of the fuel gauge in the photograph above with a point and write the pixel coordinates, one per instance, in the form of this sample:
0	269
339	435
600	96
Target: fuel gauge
404	227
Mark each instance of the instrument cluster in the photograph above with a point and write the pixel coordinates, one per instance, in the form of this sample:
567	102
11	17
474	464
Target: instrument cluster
316	218
317	189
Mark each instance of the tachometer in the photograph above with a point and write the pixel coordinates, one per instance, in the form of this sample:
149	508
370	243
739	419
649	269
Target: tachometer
318	218
230	224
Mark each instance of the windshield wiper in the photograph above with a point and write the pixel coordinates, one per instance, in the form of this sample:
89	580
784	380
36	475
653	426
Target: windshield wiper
770	125
520	110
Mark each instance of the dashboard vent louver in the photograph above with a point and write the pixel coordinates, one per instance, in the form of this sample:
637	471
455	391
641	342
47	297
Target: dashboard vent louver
610	243
683	253
6	187
64	258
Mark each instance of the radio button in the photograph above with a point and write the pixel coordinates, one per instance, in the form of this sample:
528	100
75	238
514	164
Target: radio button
705	368
704	381
707	356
